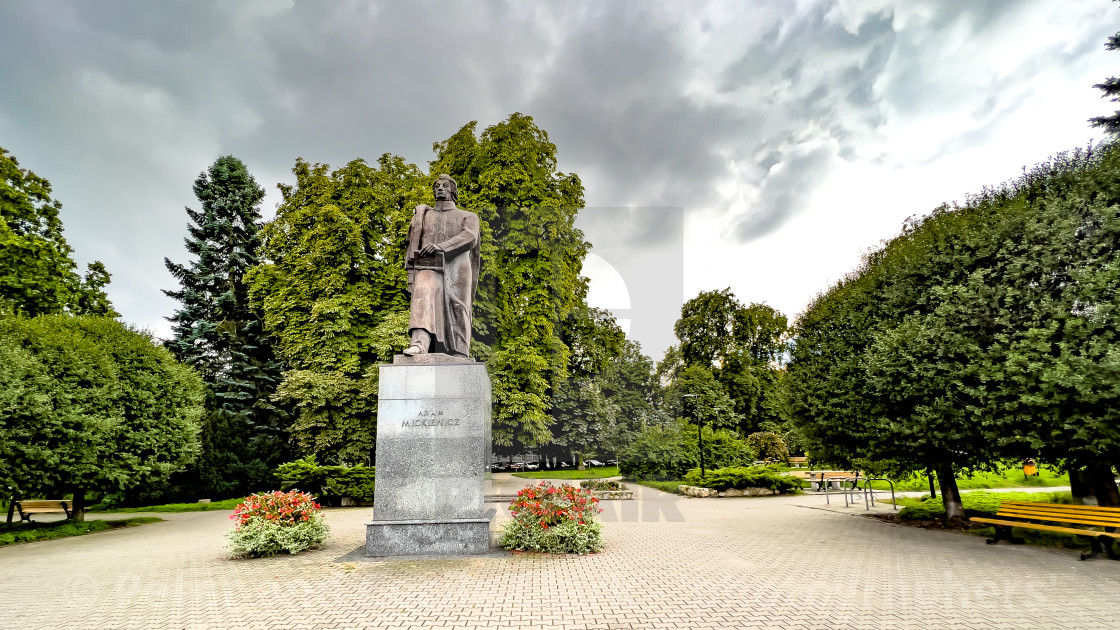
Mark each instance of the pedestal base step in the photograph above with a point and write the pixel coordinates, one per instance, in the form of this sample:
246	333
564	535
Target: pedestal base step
451	537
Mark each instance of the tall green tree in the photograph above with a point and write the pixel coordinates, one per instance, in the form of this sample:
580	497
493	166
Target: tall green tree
37	271
741	346
981	332
218	333
89	405
332	288
702	400
633	396
582	416
532	259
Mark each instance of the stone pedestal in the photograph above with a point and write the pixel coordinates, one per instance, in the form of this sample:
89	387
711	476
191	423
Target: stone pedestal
433	449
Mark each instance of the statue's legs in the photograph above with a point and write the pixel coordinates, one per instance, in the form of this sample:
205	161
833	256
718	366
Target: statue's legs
421	342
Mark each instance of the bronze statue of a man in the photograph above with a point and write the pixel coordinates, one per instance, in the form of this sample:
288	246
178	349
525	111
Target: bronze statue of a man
442	263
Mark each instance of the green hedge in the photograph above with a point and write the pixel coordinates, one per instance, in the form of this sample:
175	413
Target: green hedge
328	483
740	477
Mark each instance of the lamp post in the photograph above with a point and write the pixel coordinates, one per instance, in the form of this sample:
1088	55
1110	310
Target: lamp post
699	434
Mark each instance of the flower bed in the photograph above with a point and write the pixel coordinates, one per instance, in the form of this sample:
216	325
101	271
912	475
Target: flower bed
552	519
271	522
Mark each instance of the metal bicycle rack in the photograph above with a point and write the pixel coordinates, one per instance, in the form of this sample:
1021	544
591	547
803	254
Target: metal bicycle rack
850	486
869	492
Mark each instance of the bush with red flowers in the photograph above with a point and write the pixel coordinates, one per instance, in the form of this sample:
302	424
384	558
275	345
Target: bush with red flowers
271	522
552	519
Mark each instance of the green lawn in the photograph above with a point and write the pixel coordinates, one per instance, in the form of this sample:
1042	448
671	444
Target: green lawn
29	532
977	503
597	472
227	504
1007	478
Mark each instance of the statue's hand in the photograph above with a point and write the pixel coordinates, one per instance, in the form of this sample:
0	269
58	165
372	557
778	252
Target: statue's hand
430	249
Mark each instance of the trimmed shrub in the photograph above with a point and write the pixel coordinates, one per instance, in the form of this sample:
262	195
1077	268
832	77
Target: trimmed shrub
744	477
272	522
550	519
329	483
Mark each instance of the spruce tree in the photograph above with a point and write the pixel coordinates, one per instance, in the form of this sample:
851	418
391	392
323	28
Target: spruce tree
1111	89
218	333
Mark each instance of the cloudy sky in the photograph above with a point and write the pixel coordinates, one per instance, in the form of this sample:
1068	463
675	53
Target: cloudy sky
757	145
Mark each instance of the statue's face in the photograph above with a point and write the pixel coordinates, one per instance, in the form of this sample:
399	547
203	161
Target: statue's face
443	190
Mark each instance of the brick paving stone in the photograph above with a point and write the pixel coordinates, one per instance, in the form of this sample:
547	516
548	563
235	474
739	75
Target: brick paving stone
670	562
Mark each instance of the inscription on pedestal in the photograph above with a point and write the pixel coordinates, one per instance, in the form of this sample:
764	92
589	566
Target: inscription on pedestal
431	419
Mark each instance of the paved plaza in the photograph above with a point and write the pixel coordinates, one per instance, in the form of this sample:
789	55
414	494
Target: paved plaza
670	562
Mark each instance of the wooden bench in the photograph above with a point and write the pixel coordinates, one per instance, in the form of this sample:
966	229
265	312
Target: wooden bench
1054	517
823	478
798	462
47	506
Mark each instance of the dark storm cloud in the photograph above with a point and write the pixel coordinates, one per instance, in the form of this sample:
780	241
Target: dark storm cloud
616	94
612	96
393	77
784	193
121	104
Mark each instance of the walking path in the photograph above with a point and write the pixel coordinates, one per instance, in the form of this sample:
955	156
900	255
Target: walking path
670	562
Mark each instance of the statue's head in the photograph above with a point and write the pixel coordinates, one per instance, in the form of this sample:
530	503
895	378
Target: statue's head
445	188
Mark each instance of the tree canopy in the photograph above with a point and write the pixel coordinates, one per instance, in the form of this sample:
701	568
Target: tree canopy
983	331
38	274
331	288
739	348
88	404
532	259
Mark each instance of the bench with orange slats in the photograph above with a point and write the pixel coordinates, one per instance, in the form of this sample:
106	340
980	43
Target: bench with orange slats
1054	517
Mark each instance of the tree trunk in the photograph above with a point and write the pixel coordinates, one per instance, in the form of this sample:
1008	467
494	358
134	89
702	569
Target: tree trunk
579	462
1079	485
932	491
79	505
950	494
1102	481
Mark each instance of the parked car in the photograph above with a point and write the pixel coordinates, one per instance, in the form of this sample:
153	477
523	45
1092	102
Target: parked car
532	466
593	462
517	466
498	466
612	462
564	465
